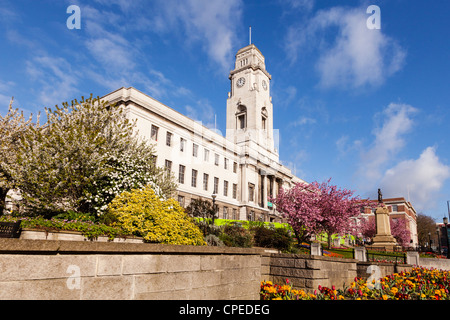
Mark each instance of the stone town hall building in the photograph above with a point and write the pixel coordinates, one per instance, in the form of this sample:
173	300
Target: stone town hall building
243	169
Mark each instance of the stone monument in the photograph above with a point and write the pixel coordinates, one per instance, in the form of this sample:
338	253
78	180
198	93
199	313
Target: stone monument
383	237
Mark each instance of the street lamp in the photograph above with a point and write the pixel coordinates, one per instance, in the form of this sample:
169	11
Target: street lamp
438	234
429	241
446	235
214	196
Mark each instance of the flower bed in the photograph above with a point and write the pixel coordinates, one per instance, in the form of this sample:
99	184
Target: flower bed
88	229
418	284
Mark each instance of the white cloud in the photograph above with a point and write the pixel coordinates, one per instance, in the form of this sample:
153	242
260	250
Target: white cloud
57	78
214	23
202	111
420	179
296	5
303	121
355	57
389	139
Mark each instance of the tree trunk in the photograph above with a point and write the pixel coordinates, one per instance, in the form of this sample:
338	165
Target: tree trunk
329	240
3	192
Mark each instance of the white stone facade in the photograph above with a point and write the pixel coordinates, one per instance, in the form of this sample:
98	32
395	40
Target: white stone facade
243	168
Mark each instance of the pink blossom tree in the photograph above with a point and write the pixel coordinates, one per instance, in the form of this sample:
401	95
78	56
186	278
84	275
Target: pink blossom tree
320	207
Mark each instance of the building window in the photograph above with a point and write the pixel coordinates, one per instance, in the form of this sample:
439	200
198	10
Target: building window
194	150
216	185
182	144
168	165
235	217
181	201
251	216
251	192
234	191
264	118
225	163
394	208
181	174
216	159
234	167
225	188
205	181
241	117
154	133
169	139
225	212
206	155
194	178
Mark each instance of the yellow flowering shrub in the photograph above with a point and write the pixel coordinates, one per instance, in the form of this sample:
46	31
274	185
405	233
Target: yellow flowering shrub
143	213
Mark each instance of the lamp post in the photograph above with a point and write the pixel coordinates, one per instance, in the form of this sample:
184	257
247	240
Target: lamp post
438	234
429	241
214	196
446	235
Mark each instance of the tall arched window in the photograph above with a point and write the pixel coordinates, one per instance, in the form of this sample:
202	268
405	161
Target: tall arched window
241	117
264	118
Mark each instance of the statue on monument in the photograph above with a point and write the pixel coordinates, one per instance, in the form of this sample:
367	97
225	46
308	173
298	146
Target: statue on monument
383	237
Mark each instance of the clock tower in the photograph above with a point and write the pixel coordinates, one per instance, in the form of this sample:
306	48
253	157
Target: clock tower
249	104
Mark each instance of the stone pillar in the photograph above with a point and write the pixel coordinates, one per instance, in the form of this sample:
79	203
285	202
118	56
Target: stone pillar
360	254
316	249
337	241
383	237
412	257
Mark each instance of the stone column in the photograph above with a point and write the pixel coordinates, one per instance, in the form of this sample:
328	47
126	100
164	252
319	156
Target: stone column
383	237
360	254
412	257
316	249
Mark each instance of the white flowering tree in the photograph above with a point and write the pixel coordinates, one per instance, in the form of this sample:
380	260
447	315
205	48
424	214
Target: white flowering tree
84	155
12	127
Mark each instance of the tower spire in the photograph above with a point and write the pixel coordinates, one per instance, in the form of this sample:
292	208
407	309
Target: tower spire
250	35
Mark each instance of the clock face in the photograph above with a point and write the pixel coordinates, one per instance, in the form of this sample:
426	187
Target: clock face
264	84
240	82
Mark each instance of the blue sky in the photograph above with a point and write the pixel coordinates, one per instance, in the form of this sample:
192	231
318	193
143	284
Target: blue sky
369	108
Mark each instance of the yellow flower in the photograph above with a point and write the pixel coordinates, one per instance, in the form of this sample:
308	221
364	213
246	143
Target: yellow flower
394	290
385	297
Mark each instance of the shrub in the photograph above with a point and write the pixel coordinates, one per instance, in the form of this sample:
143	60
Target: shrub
144	214
279	238
234	235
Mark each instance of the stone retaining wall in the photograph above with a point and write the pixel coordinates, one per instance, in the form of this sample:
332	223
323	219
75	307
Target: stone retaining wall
41	269
308	272
55	269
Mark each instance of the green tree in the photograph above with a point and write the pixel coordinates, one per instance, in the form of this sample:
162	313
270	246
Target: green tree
426	225
75	161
